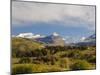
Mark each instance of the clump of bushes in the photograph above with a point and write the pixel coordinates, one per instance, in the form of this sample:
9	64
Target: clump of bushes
54	69
25	60
45	68
64	62
50	60
21	69
92	59
76	54
81	65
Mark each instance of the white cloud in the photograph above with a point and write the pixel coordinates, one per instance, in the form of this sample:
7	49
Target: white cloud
27	12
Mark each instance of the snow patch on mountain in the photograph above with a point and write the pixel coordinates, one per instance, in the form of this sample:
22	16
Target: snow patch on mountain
29	35
55	34
82	39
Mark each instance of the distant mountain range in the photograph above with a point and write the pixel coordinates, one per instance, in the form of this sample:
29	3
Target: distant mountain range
89	41
55	39
51	40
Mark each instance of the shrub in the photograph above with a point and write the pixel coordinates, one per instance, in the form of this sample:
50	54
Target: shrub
45	68
25	60
50	60
75	54
92	59
36	62
54	69
64	63
81	65
21	69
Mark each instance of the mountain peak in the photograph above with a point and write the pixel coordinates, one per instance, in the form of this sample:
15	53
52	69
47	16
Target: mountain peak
55	34
25	34
29	35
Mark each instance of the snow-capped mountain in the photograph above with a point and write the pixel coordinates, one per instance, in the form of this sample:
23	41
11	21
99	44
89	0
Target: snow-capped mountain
55	34
54	39
91	38
25	35
29	35
91	41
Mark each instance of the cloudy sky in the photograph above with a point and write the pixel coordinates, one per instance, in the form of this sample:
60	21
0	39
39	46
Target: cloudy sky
70	21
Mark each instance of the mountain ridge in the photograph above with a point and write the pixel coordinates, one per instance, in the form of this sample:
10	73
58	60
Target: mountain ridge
56	39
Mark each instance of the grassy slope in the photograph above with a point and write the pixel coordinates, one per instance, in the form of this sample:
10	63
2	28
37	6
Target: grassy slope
25	44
